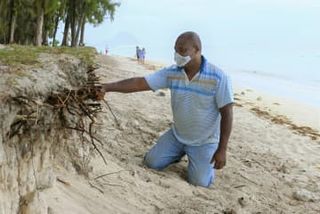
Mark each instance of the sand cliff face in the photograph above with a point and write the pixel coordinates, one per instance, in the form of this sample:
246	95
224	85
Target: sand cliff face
33	140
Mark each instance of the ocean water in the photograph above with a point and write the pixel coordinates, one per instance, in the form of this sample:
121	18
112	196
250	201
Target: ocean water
290	74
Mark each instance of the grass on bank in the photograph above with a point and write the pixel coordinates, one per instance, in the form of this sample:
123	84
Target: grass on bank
13	55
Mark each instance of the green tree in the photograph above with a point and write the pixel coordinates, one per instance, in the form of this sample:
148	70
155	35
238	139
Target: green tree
35	21
86	11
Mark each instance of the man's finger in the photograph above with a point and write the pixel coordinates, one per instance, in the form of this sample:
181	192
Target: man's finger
219	164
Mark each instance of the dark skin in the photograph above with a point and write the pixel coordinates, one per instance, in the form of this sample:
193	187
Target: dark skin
185	46
220	156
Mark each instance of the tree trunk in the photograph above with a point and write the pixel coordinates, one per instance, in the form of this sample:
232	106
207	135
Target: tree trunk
66	31
12	28
81	43
56	23
81	19
79	29
40	19
45	37
73	28
12	24
4	41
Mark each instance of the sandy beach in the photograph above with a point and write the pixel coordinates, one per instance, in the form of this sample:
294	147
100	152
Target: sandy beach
273	161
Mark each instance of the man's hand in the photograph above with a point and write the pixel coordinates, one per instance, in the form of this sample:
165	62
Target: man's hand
98	92
219	158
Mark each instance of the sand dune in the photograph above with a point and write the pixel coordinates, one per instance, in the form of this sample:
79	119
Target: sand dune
273	167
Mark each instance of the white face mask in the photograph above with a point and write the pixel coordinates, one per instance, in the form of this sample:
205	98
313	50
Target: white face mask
181	60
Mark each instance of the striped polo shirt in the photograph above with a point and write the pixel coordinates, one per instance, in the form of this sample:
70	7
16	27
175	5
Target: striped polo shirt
195	103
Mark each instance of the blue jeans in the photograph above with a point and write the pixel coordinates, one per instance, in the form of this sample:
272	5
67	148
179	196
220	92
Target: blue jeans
169	150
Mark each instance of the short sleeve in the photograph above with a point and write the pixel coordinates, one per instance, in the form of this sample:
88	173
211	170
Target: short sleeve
158	79
224	93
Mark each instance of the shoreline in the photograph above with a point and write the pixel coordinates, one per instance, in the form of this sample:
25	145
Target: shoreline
301	119
296	112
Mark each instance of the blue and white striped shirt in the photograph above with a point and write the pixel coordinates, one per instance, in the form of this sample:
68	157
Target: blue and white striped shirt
195	103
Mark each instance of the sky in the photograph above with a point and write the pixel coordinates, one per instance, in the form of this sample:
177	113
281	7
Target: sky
278	37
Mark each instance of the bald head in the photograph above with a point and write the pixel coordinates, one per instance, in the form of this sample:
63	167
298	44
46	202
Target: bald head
190	38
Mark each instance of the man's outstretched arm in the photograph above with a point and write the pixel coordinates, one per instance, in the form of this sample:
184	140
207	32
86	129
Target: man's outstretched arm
127	86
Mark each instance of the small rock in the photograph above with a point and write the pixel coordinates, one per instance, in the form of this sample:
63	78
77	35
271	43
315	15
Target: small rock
242	201
136	123
243	93
161	94
305	195
259	98
122	126
284	169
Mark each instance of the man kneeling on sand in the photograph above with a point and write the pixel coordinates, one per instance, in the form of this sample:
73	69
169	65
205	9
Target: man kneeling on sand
201	100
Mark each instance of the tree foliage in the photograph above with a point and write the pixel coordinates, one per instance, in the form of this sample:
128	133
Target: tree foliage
36	21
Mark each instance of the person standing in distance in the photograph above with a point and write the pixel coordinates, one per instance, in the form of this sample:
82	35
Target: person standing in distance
137	53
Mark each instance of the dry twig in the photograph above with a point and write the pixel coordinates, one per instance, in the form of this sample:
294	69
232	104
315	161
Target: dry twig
114	116
110	173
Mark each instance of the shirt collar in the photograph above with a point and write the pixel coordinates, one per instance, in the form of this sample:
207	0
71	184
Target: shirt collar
203	64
